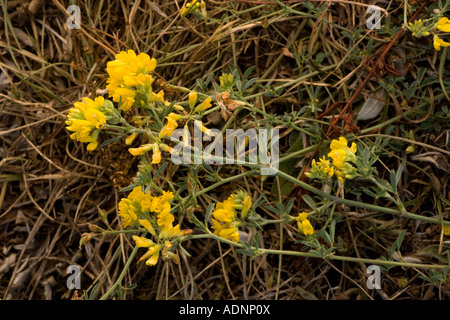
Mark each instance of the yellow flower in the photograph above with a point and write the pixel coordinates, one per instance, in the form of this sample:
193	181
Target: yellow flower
157	97
192	98
126	96
224	211
84	118
92	145
302	216
170	232
141	150
224	220
167	196
129	140
226	231
156	156
138	80
171	125
195	4
304	225
438	43
306	228
95	117
158	222
321	170
164	217
247	204
148	226
131	207
142	242
204	105
127	66
340	153
152	255
446	230
443	24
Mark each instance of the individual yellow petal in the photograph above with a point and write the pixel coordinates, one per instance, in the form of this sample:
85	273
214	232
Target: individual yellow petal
302	216
92	146
148	226
95	117
167	196
307	228
438	43
141	150
158	97
353	147
129	140
153	260
192	98
446	230
247	204
126	96
143	242
443	24
204	105
156	156
338	144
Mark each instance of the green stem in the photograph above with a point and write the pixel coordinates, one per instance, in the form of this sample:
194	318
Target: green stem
122	275
387	263
360	204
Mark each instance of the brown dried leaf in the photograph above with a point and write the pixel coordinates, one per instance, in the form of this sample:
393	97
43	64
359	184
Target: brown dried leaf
437	159
23	37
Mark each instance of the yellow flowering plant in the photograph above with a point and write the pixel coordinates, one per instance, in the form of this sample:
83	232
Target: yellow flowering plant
204	149
433	26
158	221
159	216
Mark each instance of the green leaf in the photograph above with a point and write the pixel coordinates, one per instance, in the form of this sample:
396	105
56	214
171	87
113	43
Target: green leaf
104	143
398	243
209	210
309	201
184	251
130	187
433	252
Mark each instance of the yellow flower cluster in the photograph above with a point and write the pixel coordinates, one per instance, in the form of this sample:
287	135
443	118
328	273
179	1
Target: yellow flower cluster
129	76
168	129
225	222
342	156
419	30
152	213
194	6
86	119
321	170
304	225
